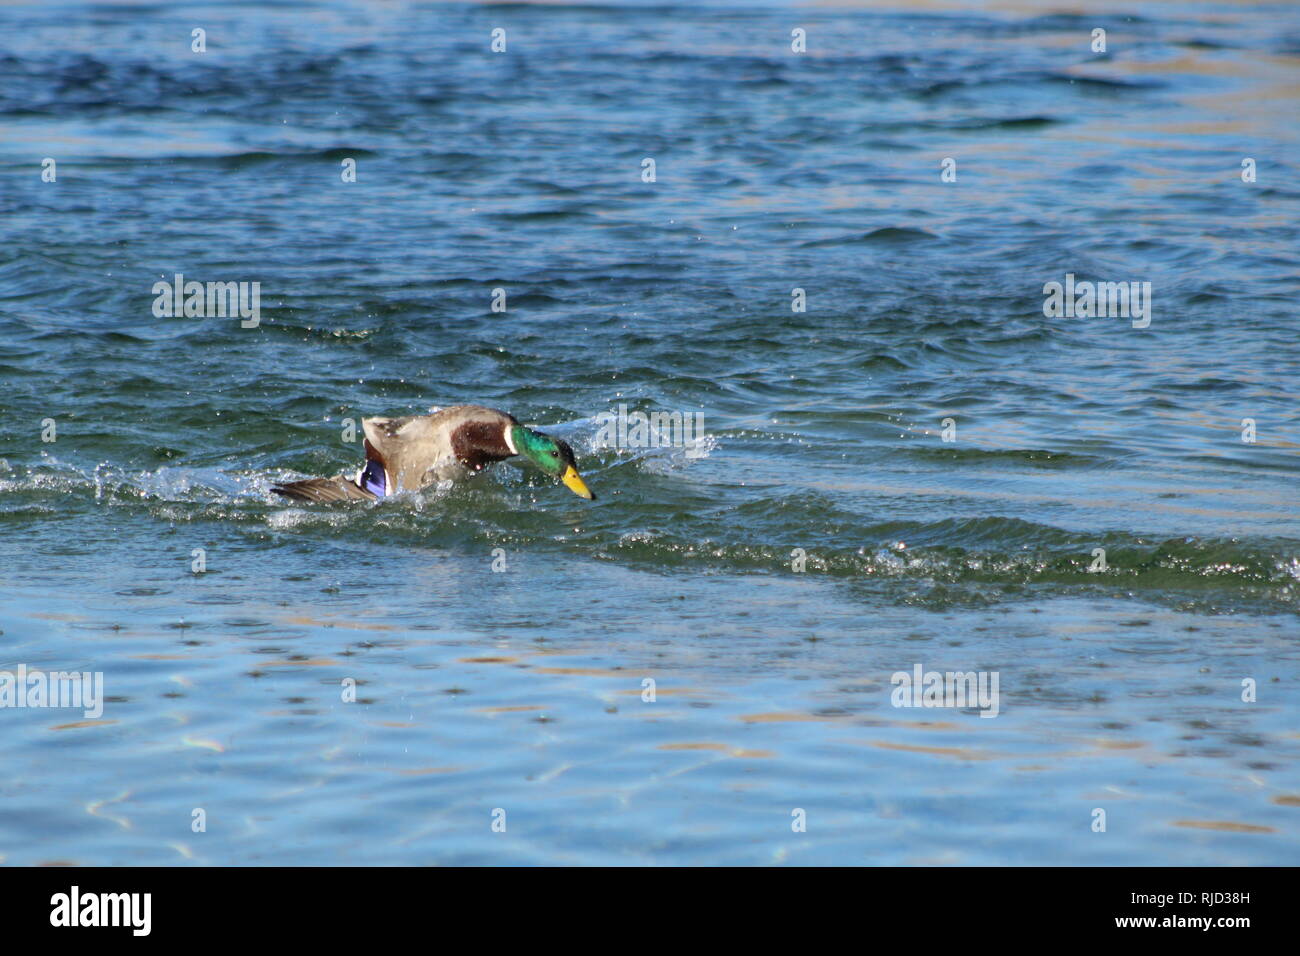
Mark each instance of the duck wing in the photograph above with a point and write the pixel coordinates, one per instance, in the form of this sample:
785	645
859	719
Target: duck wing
339	488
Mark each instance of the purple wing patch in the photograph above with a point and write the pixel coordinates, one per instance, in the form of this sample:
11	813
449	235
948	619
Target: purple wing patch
373	479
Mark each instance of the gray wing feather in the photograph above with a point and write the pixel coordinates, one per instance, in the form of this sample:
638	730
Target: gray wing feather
323	489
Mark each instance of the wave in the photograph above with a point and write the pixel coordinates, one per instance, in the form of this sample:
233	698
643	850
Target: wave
675	527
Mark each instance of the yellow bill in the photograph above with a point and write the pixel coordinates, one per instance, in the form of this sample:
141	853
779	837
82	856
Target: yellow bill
573	481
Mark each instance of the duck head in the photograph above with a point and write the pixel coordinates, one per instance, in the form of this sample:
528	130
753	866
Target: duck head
552	455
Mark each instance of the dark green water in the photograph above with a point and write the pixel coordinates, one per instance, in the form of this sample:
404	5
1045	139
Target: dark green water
520	688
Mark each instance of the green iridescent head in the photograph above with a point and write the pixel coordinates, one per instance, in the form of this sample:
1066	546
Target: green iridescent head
553	456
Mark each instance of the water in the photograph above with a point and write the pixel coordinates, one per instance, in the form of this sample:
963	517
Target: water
521	690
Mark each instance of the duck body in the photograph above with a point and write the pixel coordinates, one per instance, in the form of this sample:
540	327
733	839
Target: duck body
416	451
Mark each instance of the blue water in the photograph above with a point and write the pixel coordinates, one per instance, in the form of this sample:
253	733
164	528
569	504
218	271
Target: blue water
499	632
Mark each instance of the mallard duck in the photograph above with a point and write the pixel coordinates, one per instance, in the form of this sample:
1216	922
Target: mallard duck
407	454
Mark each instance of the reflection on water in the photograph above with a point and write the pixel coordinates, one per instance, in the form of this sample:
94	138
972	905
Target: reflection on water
1100	708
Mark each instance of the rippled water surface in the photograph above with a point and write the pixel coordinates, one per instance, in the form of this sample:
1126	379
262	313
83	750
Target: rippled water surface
500	632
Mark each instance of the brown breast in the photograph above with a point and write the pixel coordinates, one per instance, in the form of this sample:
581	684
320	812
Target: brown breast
479	444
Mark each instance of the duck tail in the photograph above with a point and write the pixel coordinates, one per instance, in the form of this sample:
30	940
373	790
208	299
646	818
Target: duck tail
324	490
